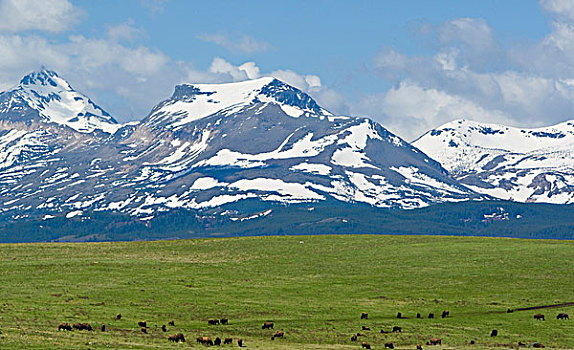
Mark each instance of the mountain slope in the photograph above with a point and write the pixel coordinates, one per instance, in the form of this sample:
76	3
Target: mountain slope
45	96
525	165
206	146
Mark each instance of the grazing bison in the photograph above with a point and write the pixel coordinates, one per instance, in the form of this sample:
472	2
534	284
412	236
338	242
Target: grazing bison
163	328
383	331
144	330
82	326
204	340
509	311
118	316
419	347
142	323
539	317
171	323
365	345
365	328
562	316
212	322
176	338
267	325
418	315
278	334
64	326
445	313
228	341
389	345
103	328
538	345
217	341
431	315
224	321
397	329
494	333
434	341
364	316
399	315
354	337
240	343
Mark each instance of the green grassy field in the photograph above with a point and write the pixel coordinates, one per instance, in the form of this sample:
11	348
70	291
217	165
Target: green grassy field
312	287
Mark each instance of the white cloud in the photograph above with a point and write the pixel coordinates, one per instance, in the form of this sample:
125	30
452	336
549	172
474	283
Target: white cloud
244	43
410	109
125	32
302	82
44	15
563	8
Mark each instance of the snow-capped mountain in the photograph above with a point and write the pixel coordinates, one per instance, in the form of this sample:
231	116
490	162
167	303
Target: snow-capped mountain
45	96
206	146
525	165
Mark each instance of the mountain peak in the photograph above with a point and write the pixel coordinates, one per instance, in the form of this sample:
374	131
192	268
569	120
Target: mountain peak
57	102
191	102
44	77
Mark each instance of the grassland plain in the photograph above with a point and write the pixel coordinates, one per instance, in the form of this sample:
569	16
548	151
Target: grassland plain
312	287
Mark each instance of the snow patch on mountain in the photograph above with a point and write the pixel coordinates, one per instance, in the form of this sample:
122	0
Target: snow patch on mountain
57	102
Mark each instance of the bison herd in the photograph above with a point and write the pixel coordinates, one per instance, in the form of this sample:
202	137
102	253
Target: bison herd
268	325
438	341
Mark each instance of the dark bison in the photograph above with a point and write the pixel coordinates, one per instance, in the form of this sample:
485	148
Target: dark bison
64	326
397	329
539	317
494	333
103	328
383	331
419	347
217	341
176	338
228	341
538	345
224	321
445	313
118	316
205	340
240	343
163	328
365	328
212	322
364	316
142	323
434	341
509	311
82	326
431	315
278	334
562	316
389	345
418	315
399	315
267	325
365	345
171	323
354	337
144	330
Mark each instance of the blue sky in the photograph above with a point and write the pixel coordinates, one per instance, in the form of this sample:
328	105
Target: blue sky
411	65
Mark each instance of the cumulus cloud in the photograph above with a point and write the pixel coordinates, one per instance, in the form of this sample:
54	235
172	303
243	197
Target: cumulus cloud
410	109
244	43
562	8
470	75
44	15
